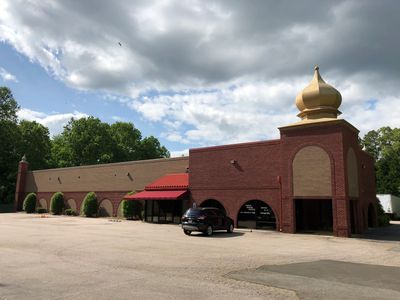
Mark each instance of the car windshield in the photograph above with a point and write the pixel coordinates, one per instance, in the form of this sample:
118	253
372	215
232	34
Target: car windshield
194	212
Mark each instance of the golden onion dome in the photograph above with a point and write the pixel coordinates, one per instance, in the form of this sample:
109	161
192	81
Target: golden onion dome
318	99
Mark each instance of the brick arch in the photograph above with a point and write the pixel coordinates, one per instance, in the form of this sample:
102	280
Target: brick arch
242	203
312	171
213	203
71	204
106	208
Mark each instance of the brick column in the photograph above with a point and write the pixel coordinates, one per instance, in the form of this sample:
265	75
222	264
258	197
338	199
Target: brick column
341	214
20	187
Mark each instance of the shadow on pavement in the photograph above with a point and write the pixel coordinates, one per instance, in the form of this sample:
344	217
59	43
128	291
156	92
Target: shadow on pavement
217	234
387	233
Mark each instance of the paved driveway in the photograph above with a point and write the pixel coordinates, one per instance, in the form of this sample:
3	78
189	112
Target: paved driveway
80	258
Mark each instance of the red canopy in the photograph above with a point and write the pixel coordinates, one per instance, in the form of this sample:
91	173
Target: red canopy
157	195
179	181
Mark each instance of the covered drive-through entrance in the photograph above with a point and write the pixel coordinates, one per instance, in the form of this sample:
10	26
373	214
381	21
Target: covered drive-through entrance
314	215
165	200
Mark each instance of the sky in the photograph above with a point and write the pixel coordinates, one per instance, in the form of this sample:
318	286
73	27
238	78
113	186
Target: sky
199	73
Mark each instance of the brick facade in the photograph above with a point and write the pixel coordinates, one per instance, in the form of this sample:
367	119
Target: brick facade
236	174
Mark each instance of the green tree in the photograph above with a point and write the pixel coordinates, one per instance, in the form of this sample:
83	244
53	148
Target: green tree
86	141
384	146
9	142
8	105
150	148
127	140
35	143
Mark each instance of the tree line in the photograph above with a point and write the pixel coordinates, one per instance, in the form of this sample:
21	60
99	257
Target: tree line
83	141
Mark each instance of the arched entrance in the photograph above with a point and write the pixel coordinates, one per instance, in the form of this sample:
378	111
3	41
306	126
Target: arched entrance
256	214
105	208
213	203
371	215
71	204
43	203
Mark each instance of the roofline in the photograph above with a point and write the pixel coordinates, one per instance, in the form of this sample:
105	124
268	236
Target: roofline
132	162
314	124
233	146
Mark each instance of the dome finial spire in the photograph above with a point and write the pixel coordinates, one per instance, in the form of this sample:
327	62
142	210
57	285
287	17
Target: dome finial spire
318	100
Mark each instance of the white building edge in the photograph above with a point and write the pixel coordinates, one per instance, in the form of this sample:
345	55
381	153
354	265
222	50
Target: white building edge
390	204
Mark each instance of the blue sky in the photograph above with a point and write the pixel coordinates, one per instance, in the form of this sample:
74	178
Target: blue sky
199	73
38	90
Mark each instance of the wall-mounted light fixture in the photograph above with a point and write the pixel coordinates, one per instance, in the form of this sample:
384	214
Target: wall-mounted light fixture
233	161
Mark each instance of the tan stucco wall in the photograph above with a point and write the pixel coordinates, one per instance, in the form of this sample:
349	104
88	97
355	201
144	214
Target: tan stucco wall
108	177
352	173
312	172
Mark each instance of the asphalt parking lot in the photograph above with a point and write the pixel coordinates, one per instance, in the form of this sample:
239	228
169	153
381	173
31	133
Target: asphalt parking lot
60	257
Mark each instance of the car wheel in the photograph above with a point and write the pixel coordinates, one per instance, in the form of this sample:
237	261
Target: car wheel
187	232
230	228
209	230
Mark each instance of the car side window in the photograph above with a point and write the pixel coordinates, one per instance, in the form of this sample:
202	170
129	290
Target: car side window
209	213
220	213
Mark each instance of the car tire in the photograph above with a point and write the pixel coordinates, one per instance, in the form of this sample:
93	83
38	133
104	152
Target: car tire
187	232
230	228
209	230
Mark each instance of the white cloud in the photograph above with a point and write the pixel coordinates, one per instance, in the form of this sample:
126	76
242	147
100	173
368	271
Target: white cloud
219	72
55	122
180	153
7	76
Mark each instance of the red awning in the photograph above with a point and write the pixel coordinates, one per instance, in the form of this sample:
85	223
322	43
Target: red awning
179	181
157	195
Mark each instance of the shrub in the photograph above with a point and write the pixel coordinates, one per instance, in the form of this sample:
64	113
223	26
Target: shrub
41	210
70	212
57	203
29	204
131	209
383	218
90	205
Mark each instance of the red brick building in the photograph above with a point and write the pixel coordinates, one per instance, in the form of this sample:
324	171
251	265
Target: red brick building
314	178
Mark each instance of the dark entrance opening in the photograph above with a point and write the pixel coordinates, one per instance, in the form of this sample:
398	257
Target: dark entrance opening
353	212
371	215
256	214
213	203
163	211
314	215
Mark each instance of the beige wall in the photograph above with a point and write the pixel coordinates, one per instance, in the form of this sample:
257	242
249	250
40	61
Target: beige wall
312	172
352	173
108	177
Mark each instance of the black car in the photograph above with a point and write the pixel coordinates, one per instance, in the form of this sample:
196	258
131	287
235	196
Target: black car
206	219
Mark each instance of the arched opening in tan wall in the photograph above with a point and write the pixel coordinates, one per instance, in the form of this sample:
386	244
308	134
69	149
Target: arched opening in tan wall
213	203
312	190
120	213
105	208
42	203
352	173
71	204
256	214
